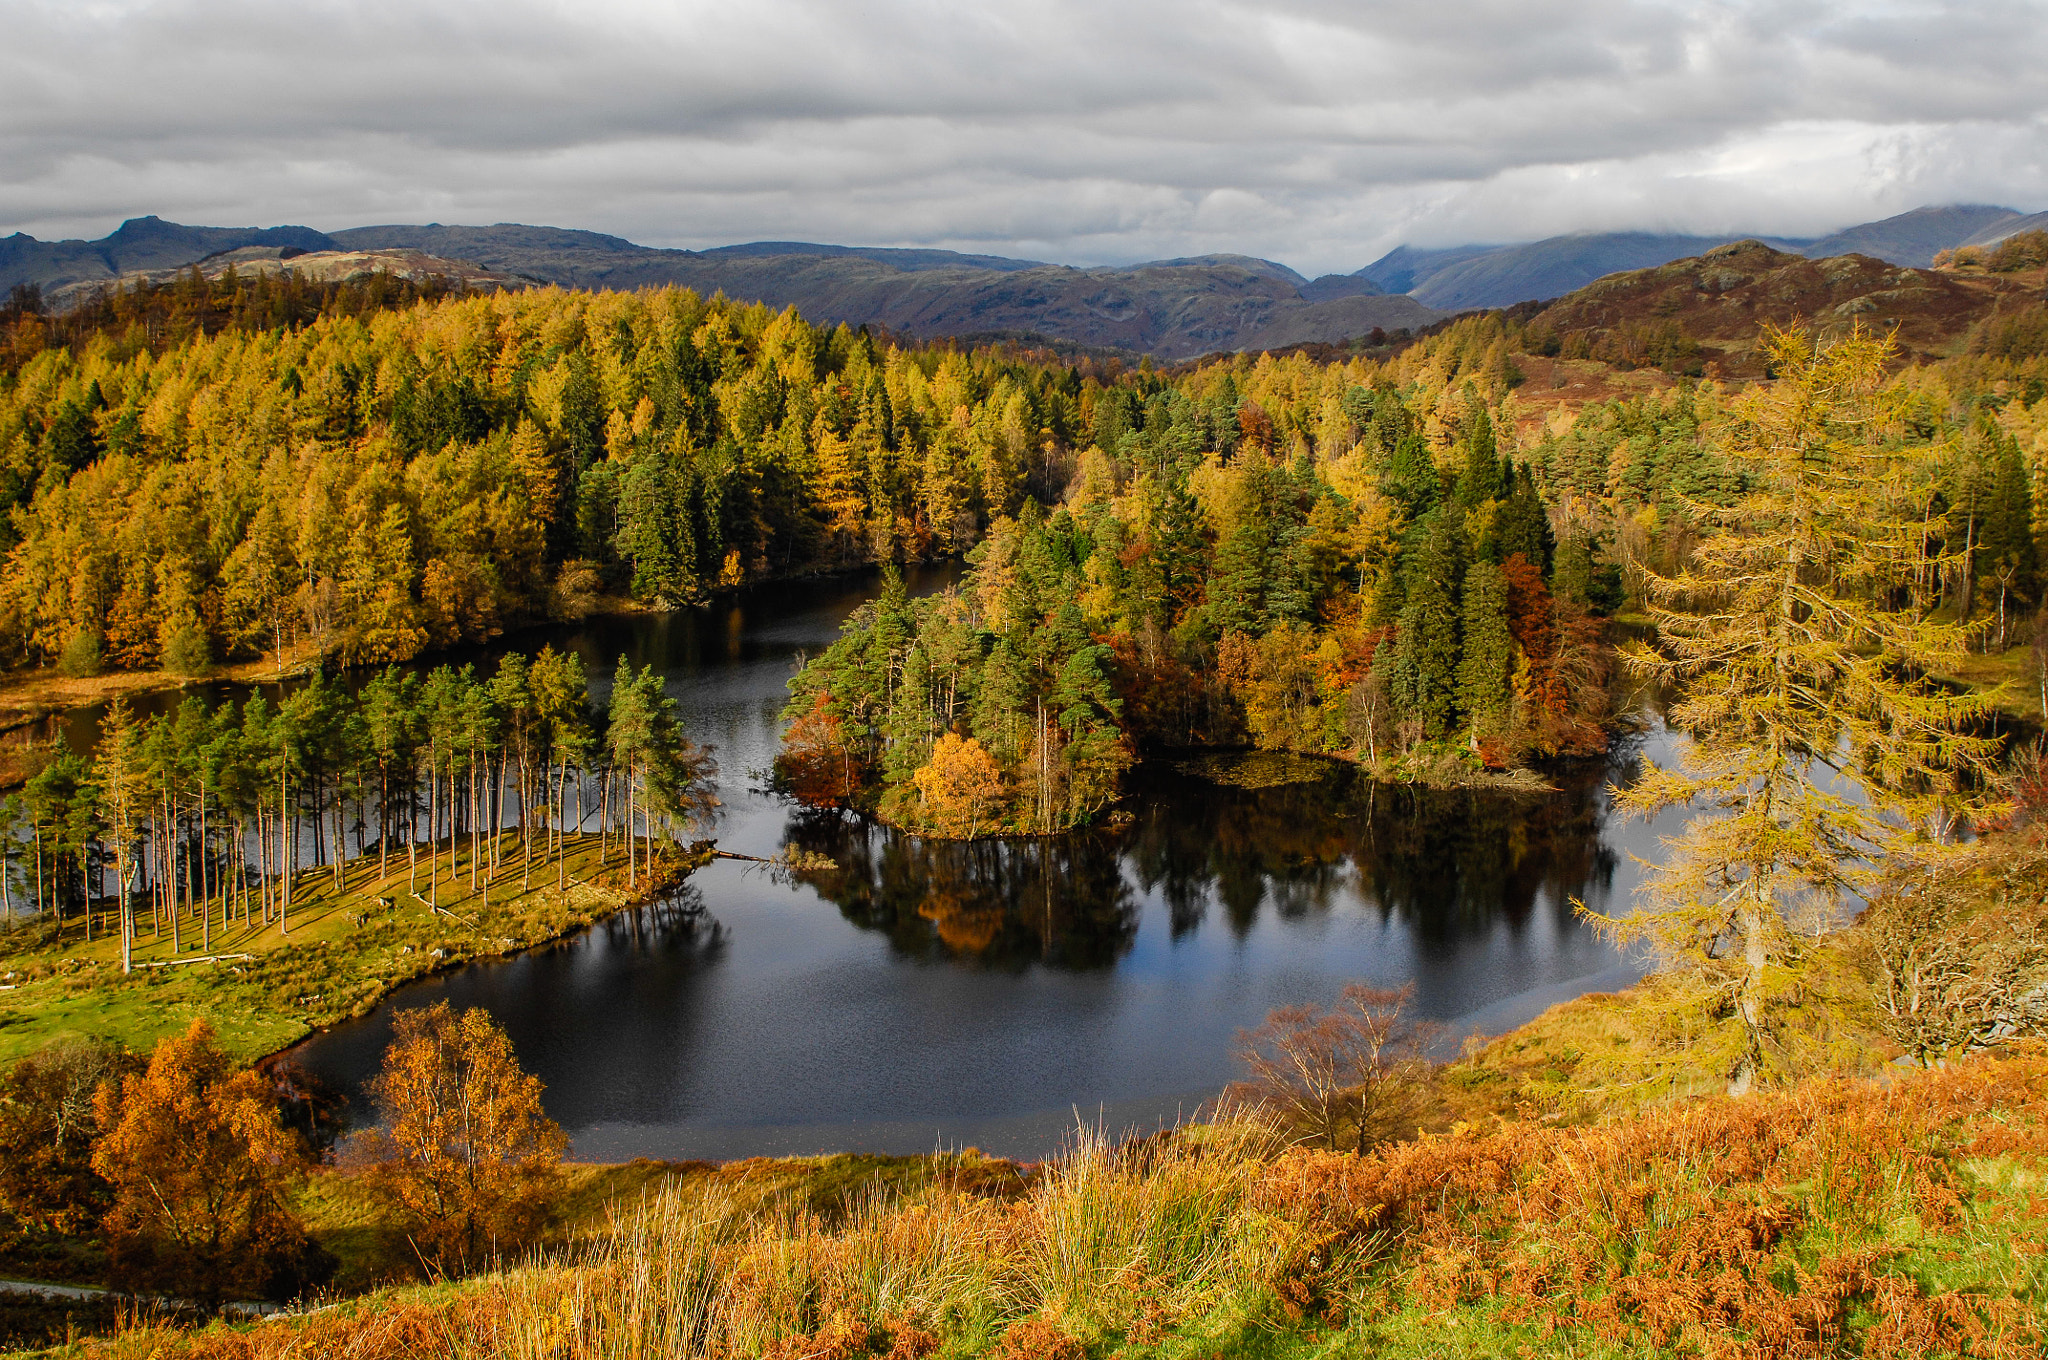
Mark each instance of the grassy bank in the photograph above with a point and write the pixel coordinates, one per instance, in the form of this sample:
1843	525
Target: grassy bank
1840	1217
349	944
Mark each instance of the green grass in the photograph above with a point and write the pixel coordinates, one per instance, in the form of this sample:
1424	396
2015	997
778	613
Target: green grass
349	945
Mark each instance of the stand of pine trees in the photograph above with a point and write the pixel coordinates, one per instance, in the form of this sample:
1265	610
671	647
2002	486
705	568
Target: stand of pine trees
194	822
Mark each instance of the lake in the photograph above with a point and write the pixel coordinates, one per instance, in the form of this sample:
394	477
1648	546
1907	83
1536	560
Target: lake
929	994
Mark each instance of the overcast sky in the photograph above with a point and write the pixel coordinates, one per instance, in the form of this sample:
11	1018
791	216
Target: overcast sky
1315	133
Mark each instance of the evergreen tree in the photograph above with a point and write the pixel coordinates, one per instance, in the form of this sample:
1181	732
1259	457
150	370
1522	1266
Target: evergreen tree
1487	664
2008	562
1524	525
1480	479
1424	679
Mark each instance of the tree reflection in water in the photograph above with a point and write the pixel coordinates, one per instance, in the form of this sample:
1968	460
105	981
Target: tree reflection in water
1060	901
1450	864
675	923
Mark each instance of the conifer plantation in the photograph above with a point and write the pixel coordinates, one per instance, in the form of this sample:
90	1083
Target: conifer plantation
192	824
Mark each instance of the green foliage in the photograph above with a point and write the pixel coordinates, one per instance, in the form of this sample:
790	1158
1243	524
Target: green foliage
81	655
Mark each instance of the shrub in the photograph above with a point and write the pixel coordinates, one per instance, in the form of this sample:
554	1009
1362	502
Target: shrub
187	652
81	656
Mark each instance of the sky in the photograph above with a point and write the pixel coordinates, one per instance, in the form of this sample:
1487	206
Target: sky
1316	133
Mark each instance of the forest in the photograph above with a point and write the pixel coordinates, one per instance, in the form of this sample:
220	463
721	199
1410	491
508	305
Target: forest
382	481
1398	564
1427	563
200	817
1413	561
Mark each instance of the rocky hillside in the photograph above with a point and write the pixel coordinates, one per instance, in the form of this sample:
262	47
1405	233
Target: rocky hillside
318	266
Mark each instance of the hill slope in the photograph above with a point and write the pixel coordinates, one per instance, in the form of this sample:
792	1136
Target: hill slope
1461	277
1172	308
1552	268
1711	306
1914	237
141	243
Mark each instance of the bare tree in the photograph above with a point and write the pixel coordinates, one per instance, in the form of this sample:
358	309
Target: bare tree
1356	1068
1956	963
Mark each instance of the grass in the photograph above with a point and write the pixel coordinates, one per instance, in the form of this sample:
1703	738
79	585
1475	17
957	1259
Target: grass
349	945
1840	1217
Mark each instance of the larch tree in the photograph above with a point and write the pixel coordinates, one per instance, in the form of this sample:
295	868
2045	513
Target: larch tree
1802	664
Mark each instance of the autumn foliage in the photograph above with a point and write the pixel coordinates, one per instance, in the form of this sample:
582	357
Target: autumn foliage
200	1167
817	766
1843	1219
961	787
464	1154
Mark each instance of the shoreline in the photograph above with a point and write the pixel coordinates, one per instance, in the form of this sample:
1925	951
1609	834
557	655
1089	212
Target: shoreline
33	695
697	857
348	951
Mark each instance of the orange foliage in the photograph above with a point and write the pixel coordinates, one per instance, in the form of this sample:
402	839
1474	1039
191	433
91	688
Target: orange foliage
200	1166
816	766
466	1155
1667	1229
1567	659
961	787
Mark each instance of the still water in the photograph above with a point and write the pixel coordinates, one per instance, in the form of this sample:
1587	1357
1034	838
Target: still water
929	994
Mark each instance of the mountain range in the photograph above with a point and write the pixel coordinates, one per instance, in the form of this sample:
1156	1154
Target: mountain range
1175	309
1460	278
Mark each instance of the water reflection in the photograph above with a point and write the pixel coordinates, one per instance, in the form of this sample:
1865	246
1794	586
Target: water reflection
920	992
1449	865
1062	902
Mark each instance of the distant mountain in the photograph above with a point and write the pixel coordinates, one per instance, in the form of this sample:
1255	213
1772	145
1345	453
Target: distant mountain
587	259
317	266
1405	268
1461	277
2011	226
1912	238
141	243
1505	275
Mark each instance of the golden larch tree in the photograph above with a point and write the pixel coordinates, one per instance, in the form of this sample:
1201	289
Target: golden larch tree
1802	659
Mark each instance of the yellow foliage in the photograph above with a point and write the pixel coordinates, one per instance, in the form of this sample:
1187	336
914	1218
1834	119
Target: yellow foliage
960	788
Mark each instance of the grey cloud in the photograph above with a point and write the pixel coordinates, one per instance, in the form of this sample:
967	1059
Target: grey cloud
1306	130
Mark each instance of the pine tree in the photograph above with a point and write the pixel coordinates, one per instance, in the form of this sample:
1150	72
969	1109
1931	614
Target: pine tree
121	776
1524	525
1480	479
1801	662
1488	661
2006	554
1425	676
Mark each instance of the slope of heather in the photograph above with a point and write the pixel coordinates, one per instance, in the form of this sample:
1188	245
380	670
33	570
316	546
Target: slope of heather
1715	303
